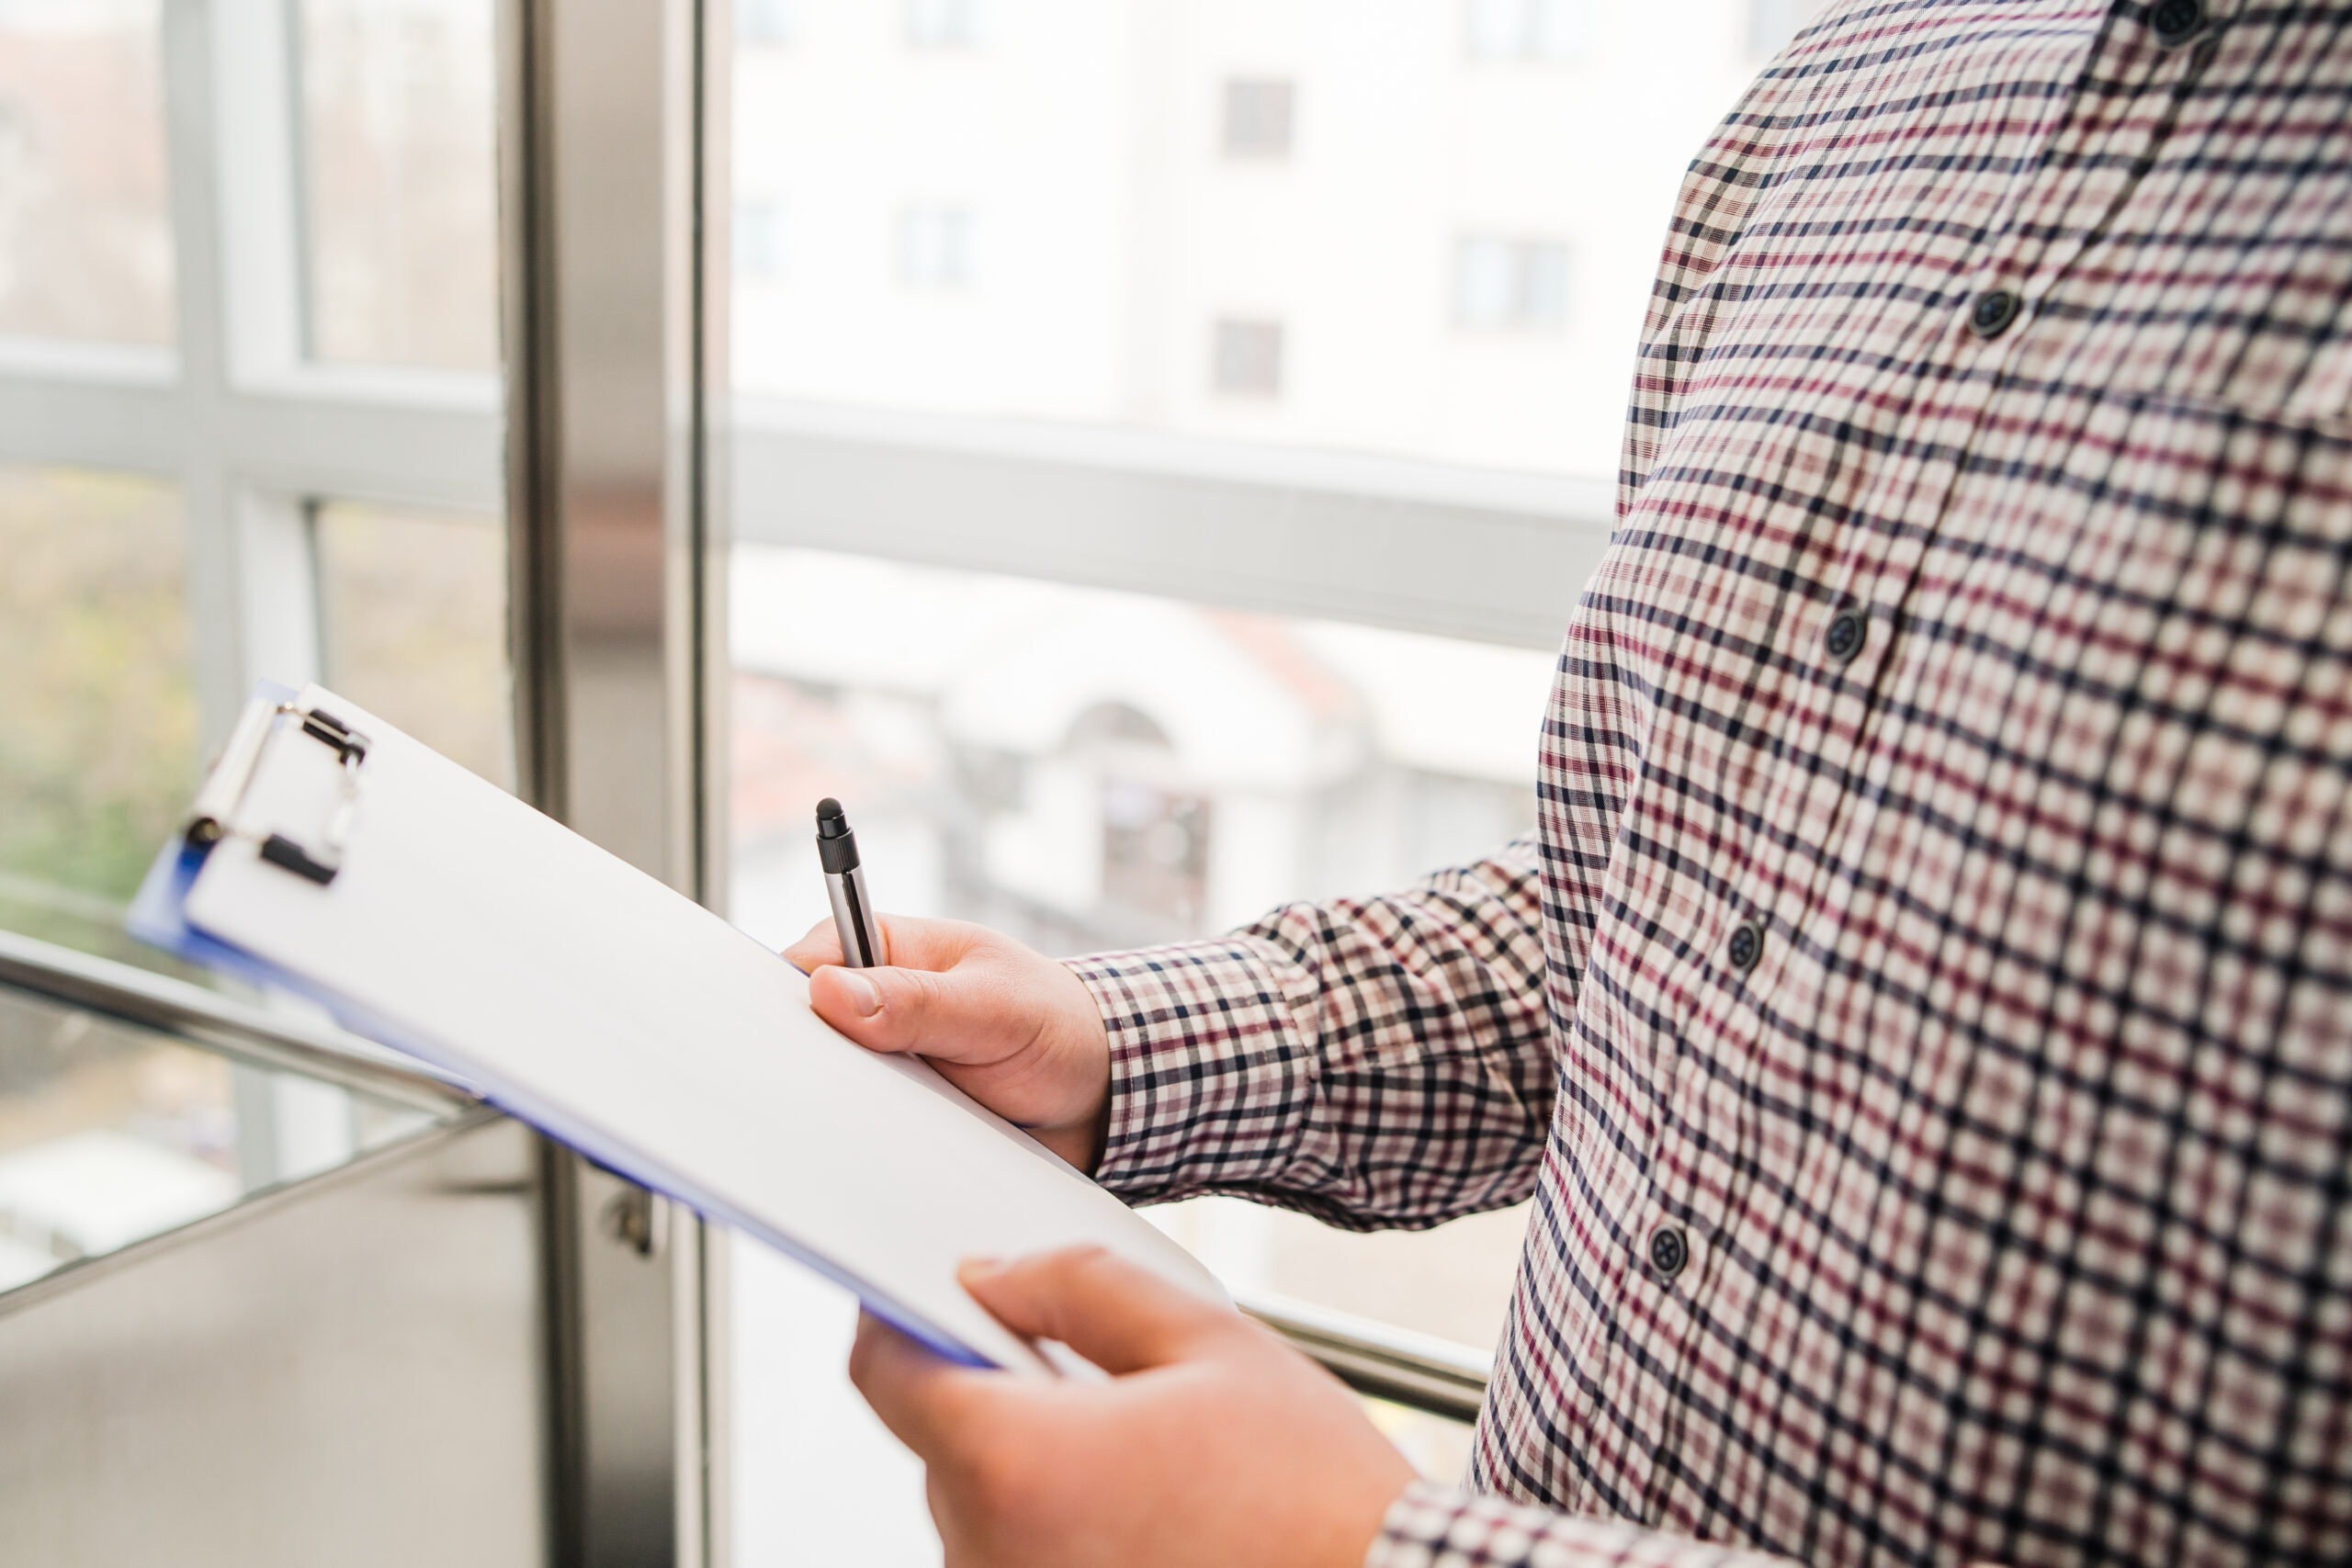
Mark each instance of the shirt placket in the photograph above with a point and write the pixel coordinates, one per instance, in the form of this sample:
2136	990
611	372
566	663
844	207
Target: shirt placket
1847	649
1839	651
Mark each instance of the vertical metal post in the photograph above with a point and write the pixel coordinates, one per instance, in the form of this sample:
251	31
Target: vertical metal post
612	142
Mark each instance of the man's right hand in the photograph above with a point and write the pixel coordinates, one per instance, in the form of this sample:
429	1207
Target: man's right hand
1009	1026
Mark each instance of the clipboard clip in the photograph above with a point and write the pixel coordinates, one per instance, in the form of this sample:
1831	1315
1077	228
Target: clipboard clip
213	818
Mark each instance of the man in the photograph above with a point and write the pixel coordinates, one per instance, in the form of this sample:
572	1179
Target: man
1923	1016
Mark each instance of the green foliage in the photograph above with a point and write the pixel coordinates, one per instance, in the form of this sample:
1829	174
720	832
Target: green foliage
97	705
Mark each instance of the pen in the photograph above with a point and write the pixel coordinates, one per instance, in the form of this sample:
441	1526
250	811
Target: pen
854	919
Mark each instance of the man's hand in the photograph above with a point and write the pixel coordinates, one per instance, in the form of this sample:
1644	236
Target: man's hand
1212	1443
1009	1026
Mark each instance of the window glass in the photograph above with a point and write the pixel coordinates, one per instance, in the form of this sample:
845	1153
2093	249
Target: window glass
1773	23
1511	286
1336	222
109	1134
763	23
1258	120
942	24
98	708
412	626
1524	30
935	248
399	182
1085	769
85	248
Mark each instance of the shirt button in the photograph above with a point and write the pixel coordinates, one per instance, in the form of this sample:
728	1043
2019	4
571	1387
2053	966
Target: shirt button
1670	1251
2174	22
1845	635
1993	311
1746	945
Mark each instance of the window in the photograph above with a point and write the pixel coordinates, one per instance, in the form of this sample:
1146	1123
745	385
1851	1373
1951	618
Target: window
1246	358
1087	768
934	249
85	247
759	240
1117	226
98	728
1256	121
943	24
764	23
1509	285
412	625
398	195
1525	30
109	1134
1773	23
348	352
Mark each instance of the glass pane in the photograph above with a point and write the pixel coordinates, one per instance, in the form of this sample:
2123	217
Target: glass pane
85	247
413	618
109	1134
98	708
1085	769
1424	228
400	183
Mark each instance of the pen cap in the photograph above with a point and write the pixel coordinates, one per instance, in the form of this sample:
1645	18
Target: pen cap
836	845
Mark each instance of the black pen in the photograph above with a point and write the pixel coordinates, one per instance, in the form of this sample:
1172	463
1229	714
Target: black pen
854	919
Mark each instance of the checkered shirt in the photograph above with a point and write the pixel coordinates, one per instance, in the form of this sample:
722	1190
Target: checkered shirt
1923	1016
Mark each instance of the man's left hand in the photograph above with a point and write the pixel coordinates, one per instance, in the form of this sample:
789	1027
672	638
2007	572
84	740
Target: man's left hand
1212	1442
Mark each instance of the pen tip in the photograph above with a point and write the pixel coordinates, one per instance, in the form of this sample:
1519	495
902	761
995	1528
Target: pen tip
828	810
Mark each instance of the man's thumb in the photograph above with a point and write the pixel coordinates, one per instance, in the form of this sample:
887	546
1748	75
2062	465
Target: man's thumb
882	1009
1118	1315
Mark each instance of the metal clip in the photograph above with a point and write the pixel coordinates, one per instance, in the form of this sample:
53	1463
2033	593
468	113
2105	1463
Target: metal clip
213	816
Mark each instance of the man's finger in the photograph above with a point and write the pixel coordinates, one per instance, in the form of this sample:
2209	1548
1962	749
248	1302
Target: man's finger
927	1403
1119	1316
821	945
917	943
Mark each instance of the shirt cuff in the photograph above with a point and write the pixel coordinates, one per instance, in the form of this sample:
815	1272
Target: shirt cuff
1433	1527
1210	1082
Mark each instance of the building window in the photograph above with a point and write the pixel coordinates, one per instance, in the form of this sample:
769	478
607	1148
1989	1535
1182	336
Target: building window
1246	358
399	198
85	244
1155	853
943	24
1258	118
1509	285
1525	30
759	240
935	249
1773	23
764	22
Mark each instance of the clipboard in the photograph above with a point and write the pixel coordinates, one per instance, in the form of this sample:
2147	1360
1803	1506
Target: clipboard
332	855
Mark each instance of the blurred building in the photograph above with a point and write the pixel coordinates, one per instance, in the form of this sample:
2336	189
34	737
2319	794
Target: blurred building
1088	769
1397	225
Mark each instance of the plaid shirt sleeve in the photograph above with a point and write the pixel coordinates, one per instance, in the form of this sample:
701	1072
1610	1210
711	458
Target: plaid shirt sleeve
1373	1062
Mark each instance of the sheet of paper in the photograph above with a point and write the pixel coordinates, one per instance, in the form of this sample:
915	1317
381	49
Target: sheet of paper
627	1021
